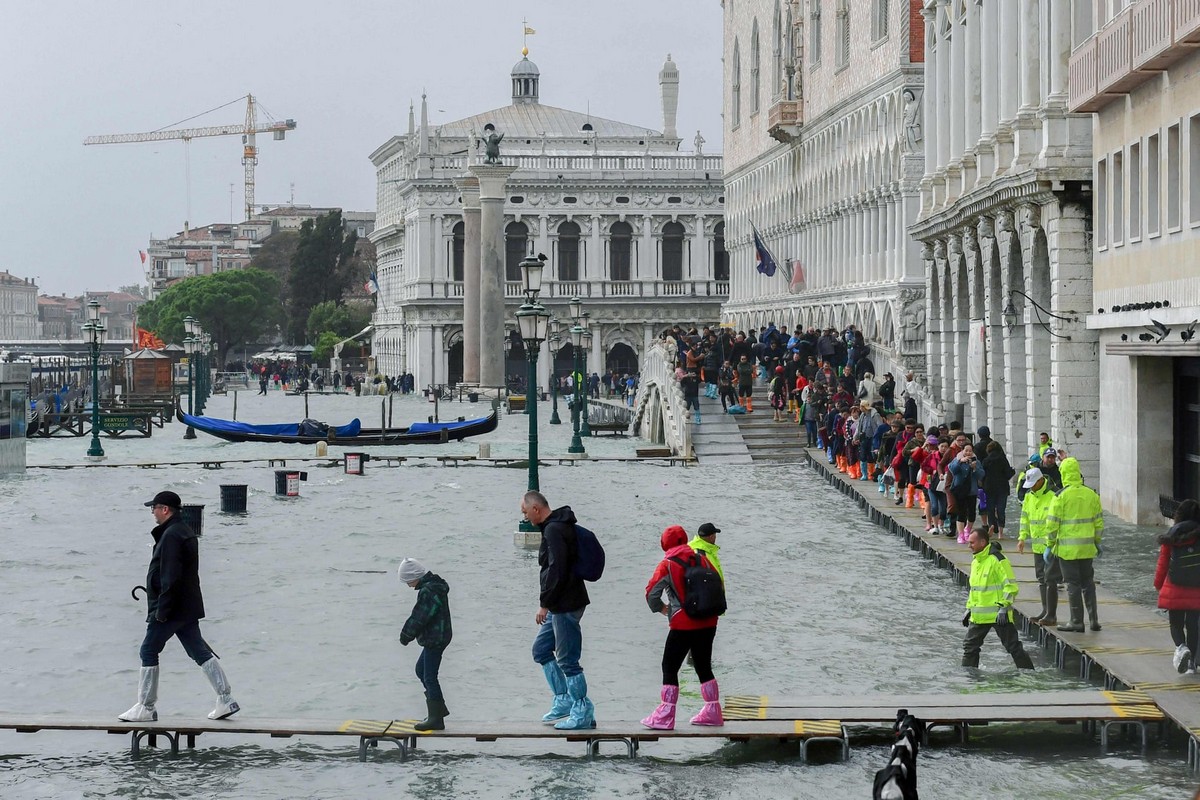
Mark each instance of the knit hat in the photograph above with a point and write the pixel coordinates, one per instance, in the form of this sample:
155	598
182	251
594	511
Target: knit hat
1035	459
984	432
933	440
411	570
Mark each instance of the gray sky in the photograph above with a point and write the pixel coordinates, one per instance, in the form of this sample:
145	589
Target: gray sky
75	217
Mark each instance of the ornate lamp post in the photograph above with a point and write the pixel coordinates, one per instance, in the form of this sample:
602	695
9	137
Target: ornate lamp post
93	332
584	429
554	345
189	347
202	379
532	321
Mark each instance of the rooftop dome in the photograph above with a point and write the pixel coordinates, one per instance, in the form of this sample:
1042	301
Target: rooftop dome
525	82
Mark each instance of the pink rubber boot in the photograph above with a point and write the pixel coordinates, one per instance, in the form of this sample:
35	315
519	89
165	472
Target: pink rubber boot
663	717
711	713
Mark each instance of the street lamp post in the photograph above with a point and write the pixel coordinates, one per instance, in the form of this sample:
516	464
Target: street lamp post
94	333
584	429
576	307
203	380
532	322
554	344
189	347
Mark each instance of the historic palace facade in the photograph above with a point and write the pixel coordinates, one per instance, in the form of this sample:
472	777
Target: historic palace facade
824	156
628	222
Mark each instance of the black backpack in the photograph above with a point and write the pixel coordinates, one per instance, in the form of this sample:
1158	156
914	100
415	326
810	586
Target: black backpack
703	589
589	561
1184	567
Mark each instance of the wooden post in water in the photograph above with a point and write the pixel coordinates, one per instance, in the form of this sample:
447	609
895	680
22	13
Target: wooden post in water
390	402
382	418
235	394
306	405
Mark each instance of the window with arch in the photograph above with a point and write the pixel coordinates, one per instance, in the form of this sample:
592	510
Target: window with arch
516	245
879	20
814	46
456	252
720	255
568	252
843	34
620	246
755	81
735	100
672	251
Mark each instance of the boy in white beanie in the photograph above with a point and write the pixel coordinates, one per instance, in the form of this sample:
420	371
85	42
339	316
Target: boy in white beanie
429	624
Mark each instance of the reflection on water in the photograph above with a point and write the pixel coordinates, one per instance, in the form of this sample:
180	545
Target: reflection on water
305	610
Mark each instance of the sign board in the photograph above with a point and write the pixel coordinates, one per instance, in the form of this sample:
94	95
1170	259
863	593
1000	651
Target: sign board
122	422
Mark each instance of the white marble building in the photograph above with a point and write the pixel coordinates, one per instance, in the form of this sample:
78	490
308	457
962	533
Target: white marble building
1006	227
629	223
1136	68
18	307
823	146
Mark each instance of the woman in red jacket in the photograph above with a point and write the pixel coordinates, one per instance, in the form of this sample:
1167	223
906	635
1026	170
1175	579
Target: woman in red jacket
686	634
1178	582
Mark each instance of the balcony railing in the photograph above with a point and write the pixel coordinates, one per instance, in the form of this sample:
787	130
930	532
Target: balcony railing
654	162
1142	40
565	290
784	120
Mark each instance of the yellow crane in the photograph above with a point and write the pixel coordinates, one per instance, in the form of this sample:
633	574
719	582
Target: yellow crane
246	130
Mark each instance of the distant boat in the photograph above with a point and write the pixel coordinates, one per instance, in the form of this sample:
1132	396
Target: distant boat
351	434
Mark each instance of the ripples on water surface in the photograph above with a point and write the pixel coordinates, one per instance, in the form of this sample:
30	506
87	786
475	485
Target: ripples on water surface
821	601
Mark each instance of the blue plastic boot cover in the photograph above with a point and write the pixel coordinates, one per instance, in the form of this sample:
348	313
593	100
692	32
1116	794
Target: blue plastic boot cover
582	710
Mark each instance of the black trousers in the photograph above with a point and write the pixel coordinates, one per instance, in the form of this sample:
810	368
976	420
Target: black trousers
976	633
1185	629
699	642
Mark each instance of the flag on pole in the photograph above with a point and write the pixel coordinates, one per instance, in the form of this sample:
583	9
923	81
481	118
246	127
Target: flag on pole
798	282
372	284
766	262
529	31
142	253
146	340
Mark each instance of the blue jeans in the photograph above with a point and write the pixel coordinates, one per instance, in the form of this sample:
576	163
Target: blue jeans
810	427
428	664
159	633
560	639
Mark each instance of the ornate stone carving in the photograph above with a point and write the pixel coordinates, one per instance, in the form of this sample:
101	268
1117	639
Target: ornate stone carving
1031	217
986	230
968	240
926	251
913	132
1005	222
939	249
954	246
910	310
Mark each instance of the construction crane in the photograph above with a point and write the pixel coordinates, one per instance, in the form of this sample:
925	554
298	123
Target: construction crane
246	130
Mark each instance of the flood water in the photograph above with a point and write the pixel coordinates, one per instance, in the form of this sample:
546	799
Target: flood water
305	610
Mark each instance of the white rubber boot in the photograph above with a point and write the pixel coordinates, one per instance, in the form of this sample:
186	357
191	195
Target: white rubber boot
144	710
226	705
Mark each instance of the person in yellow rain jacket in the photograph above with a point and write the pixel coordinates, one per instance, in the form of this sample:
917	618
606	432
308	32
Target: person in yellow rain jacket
1034	509
705	541
1073	526
989	604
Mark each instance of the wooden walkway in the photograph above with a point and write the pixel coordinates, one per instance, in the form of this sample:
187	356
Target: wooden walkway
1133	651
370	732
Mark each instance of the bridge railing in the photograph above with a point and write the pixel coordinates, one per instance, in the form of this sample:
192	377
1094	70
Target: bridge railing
659	410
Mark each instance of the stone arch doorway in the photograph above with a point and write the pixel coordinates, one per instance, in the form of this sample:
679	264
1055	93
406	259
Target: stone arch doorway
621	358
454	361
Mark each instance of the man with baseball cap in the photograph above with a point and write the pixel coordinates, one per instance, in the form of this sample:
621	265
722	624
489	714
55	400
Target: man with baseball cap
175	608
705	541
1034	508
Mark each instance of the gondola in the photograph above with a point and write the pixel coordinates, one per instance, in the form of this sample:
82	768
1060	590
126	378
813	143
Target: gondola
350	435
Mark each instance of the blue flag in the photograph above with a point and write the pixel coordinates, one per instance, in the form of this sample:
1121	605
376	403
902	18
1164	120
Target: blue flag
766	262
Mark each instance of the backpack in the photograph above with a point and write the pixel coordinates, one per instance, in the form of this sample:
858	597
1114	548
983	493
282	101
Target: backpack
589	560
1184	567
703	589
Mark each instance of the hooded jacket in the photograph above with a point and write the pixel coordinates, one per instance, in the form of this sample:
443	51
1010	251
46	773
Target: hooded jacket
1074	520
561	589
429	622
1181	544
668	580
993	586
173	577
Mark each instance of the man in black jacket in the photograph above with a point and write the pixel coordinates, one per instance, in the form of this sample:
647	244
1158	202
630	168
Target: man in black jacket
175	608
563	599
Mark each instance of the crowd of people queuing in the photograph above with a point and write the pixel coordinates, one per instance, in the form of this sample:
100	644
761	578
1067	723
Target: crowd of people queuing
291	376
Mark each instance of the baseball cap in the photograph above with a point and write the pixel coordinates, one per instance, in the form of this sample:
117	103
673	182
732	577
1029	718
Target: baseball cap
1050	451
165	499
1032	477
708	529
1035	459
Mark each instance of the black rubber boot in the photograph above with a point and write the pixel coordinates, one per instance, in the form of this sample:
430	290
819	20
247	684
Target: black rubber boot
1076	623
1089	600
1022	660
445	711
1042	593
1050	618
434	717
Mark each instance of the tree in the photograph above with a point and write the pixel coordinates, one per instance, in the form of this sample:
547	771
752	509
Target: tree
323	349
275	256
234	307
345	320
321	268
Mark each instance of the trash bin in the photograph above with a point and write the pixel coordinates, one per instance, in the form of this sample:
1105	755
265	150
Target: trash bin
287	482
193	517
355	463
473	397
233	498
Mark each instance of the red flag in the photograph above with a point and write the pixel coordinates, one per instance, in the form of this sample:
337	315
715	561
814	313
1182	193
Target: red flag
147	340
798	283
142	253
